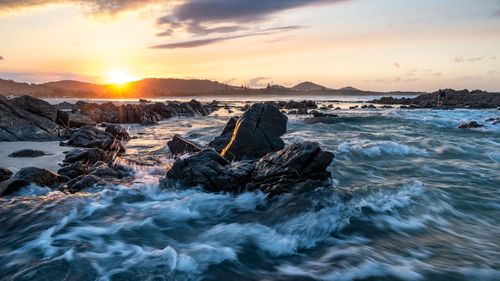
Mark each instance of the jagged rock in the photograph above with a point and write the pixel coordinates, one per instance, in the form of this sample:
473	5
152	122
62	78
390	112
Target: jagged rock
74	170
4	174
208	169
118	132
82	182
19	124
26	176
88	156
36	106
300	111
180	145
302	164
73	119
470	125
27	153
257	132
91	137
297	168
306	104
319	117
220	142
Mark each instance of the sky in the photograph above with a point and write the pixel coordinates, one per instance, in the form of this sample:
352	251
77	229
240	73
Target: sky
381	45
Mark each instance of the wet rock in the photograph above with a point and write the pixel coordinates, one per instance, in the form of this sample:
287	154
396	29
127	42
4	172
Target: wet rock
20	124
117	131
306	104
220	142
319	117
354	107
91	137
73	119
88	156
299	166
104	171
180	145
209	170
470	125
82	182
257	132
300	111
74	170
4	174
27	153
26	176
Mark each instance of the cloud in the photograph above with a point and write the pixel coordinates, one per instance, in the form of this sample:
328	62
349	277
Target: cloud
1	58
397	65
202	42
94	6
496	14
258	82
38	77
473	59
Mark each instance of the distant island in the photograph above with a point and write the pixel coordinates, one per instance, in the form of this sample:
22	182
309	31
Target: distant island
164	87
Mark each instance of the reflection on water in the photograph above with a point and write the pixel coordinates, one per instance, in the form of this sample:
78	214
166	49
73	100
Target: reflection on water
423	205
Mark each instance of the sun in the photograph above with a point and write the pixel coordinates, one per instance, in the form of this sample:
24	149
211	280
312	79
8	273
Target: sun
119	77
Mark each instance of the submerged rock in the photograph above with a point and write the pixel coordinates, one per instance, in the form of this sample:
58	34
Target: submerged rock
27	153
26	176
180	145
470	125
4	174
256	133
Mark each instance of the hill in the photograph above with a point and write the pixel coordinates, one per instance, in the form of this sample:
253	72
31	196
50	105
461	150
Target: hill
308	86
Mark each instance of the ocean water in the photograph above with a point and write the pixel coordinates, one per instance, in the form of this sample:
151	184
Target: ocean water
414	198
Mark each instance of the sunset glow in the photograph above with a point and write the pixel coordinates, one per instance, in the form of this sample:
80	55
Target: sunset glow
119	77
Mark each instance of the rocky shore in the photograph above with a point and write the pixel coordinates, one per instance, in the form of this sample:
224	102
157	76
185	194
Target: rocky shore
447	98
248	155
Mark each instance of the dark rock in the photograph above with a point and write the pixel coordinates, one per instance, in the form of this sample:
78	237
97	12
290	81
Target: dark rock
257	132
4	174
74	170
82	182
306	104
144	100
118	132
220	142
209	170
104	171
319	117
300	111
354	107
91	137
470	125
73	119
180	145
302	164
88	156
20	124
27	153
29	175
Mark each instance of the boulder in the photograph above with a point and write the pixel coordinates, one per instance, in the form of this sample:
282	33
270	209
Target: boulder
88	156
180	145
470	125
4	174
118	132
36	106
91	137
256	133
19	124
74	170
298	166
26	176
27	153
220	142
82	182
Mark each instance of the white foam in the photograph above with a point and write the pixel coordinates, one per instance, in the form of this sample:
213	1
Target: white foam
378	148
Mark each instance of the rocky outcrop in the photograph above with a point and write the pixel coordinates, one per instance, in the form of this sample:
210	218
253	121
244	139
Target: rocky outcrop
92	137
220	142
117	131
448	98
27	153
256	133
29	175
180	145
297	168
28	119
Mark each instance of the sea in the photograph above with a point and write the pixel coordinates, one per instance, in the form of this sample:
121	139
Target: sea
413	197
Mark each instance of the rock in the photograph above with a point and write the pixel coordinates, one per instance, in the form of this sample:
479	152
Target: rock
300	111
19	124
82	182
27	153
257	132
4	174
74	170
470	125
144	101
88	156
354	107
220	142
91	137
104	171
319	117
305	104
302	164
36	106
180	145
209	170
118	132
26	176
73	120
297	168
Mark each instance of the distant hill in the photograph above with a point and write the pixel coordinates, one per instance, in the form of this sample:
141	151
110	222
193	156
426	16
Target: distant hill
308	86
349	89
